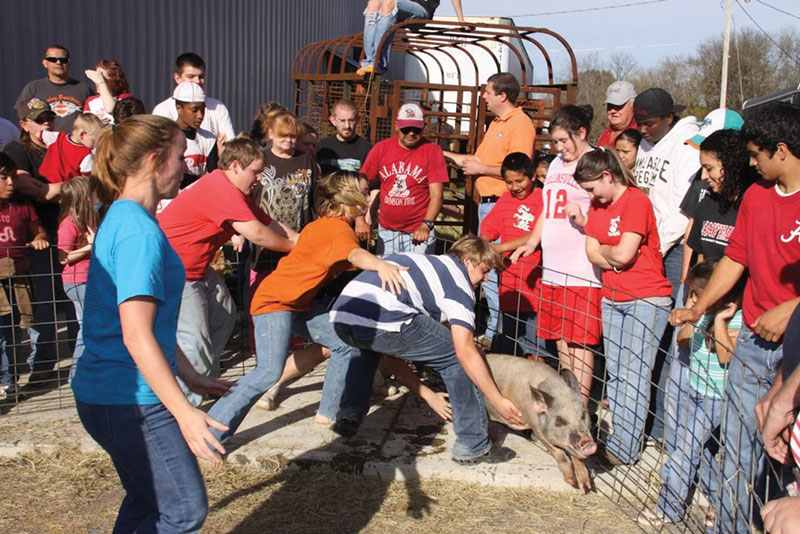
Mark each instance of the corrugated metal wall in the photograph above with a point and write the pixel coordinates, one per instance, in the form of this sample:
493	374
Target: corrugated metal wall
248	45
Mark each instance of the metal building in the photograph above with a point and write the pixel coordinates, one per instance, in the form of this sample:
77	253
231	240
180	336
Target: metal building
248	45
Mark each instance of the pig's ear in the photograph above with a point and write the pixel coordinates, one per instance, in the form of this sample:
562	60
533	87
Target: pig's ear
541	400
571	380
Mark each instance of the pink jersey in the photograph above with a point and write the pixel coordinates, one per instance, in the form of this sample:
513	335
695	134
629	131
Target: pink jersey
564	258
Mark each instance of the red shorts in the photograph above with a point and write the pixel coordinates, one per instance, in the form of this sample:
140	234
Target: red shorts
571	313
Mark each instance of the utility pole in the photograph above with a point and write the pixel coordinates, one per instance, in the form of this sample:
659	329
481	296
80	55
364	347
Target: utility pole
726	46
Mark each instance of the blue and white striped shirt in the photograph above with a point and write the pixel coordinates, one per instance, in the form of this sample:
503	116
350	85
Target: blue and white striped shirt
437	286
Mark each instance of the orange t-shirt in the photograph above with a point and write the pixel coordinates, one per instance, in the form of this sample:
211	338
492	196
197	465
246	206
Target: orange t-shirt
513	132
319	255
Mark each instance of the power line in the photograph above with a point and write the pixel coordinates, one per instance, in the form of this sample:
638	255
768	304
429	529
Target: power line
777	9
584	10
787	54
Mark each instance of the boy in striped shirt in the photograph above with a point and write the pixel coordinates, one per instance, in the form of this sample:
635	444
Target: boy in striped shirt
409	326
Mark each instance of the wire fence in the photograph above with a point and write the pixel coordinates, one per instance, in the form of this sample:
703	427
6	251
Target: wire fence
697	462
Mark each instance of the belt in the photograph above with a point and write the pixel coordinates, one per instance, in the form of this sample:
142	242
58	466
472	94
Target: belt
485	200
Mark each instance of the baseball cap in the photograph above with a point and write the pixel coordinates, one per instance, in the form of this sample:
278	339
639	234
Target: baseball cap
719	119
32	109
619	92
189	92
654	102
410	115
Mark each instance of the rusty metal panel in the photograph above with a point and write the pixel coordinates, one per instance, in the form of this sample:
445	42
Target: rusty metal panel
248	45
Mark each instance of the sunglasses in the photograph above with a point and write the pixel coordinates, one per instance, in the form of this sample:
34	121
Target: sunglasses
44	117
411	129
62	60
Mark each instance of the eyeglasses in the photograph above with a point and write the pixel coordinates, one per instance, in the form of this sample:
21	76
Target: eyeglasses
411	129
62	60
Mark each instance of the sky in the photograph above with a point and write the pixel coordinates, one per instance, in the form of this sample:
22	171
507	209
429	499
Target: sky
649	30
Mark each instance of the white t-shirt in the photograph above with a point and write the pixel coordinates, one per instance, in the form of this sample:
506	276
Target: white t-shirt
197	151
564	259
217	118
665	171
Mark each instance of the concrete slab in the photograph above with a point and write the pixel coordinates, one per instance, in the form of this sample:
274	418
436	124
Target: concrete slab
399	439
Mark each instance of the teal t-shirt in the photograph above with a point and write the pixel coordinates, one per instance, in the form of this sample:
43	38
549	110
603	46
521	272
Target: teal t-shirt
131	257
706	375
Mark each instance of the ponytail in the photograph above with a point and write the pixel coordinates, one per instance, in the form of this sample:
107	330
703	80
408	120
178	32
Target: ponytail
592	165
121	151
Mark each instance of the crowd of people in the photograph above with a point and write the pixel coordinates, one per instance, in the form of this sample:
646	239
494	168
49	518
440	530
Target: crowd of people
588	253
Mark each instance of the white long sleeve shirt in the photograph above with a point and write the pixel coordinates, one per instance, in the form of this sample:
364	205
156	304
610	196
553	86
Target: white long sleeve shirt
665	171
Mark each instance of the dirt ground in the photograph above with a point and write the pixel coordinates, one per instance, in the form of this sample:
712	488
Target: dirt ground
73	491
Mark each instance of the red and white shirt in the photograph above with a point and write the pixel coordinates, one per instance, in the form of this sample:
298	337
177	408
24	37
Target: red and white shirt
644	277
564	258
65	158
766	240
404	176
509	219
94	104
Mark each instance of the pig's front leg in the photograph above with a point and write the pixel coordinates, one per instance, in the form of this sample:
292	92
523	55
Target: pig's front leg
564	464
582	474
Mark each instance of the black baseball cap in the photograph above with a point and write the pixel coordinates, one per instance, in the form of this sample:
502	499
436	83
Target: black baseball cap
654	102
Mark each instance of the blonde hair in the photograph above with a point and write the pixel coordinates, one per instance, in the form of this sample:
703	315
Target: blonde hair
477	250
240	149
121	150
284	123
338	194
76	203
88	122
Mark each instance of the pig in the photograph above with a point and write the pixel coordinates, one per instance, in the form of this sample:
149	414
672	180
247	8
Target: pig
552	408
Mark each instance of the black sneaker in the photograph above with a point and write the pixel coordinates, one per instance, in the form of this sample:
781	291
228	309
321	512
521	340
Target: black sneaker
495	455
347	428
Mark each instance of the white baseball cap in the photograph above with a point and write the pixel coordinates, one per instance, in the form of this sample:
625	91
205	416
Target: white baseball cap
189	92
619	92
410	115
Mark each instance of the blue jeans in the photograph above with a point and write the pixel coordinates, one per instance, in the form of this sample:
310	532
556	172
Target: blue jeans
696	419
519	335
273	332
395	242
744	464
205	322
76	293
164	490
423	340
490	288
377	25
10	339
673	263
631	331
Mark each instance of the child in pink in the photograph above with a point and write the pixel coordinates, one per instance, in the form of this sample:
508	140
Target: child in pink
75	238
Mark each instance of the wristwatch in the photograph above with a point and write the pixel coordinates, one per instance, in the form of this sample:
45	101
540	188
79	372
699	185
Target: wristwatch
429	224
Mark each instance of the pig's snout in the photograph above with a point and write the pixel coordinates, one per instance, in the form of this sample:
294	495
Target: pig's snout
583	445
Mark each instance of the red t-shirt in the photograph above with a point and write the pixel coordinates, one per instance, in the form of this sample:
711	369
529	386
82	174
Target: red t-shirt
644	277
198	221
609	136
509	219
63	160
766	240
69	239
15	219
404	176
